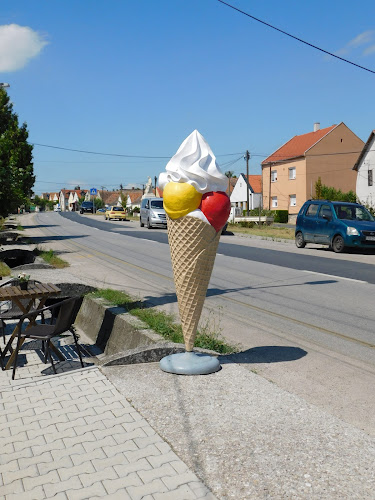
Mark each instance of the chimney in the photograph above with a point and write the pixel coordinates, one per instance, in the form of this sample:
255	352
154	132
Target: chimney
316	126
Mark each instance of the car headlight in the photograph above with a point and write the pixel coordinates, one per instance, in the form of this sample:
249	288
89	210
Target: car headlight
352	231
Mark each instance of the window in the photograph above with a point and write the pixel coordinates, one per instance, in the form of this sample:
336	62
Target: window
311	210
156	203
273	175
274	201
292	173
325	210
369	178
292	200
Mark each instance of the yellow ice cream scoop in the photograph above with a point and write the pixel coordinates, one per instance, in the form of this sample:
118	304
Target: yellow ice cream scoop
180	198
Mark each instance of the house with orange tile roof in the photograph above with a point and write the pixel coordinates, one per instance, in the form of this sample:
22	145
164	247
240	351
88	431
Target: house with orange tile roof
134	199
290	173
251	184
69	198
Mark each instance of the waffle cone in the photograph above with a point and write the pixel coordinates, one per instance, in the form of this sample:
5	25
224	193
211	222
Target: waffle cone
193	244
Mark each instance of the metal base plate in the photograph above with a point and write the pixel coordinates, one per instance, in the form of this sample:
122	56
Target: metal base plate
190	363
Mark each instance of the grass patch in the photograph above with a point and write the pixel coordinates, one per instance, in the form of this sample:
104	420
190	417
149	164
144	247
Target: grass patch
164	324
4	269
20	228
51	258
285	233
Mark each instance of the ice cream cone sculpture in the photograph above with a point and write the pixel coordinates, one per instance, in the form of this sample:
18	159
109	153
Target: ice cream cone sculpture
197	209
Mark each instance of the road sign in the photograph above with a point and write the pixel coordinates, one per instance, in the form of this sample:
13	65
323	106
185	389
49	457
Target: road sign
93	192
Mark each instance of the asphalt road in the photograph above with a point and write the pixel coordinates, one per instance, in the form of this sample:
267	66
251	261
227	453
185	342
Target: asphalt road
304	318
291	260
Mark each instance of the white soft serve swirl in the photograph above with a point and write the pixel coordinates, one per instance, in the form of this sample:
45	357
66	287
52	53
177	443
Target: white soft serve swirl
195	164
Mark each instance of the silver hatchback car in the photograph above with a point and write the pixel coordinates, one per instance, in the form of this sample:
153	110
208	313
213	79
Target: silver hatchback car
152	213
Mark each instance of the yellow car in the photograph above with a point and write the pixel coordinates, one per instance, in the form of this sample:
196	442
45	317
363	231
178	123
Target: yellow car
115	213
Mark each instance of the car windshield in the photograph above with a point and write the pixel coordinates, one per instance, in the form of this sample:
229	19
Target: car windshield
117	209
156	203
352	212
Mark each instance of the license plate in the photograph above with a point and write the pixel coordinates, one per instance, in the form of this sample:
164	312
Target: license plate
370	238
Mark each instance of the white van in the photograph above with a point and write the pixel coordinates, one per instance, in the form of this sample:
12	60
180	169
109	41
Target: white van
152	213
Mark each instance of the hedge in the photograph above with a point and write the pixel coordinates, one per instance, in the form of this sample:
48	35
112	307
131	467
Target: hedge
280	216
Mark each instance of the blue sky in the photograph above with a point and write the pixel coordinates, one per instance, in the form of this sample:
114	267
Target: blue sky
135	77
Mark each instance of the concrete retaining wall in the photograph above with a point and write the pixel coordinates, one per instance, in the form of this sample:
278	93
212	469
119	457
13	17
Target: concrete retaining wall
112	328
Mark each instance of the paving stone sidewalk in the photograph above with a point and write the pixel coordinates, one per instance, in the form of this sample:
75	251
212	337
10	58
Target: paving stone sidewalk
74	436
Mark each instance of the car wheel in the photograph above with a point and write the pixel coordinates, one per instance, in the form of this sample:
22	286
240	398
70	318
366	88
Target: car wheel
300	241
338	244
148	224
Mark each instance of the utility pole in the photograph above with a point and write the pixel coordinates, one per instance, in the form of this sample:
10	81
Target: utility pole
155	179
247	158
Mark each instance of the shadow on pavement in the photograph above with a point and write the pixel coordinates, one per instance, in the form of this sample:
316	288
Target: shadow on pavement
44	239
169	298
38	226
264	354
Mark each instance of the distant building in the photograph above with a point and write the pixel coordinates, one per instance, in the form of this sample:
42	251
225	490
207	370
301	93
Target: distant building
365	166
251	184
69	199
290	173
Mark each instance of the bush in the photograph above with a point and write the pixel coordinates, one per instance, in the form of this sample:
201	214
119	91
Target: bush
255	212
323	192
280	216
245	223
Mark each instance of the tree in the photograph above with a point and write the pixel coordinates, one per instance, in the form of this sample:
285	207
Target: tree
16	167
318	189
98	202
40	202
323	192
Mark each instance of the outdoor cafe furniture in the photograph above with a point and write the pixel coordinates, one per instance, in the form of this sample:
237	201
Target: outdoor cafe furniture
24	300
9	309
67	313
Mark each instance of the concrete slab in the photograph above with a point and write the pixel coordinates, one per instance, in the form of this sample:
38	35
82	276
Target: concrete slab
246	438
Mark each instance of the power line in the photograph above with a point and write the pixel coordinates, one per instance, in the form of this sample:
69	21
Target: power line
113	154
296	38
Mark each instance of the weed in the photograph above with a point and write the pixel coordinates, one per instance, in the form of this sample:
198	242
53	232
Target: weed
264	231
51	258
164	324
4	269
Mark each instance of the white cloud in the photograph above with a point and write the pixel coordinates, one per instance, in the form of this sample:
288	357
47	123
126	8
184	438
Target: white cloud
362	39
369	50
18	44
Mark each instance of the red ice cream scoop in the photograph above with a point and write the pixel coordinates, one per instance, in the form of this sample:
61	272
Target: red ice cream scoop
216	207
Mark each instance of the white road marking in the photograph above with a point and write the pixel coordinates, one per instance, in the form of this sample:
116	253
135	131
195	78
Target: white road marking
334	276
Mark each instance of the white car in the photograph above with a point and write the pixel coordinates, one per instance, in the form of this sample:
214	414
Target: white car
57	208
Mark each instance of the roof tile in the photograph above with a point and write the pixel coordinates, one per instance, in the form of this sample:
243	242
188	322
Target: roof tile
298	145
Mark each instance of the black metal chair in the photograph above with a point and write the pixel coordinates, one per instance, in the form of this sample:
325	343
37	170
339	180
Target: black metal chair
67	313
10	310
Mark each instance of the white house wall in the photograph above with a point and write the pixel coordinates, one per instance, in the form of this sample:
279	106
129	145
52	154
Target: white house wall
239	195
366	193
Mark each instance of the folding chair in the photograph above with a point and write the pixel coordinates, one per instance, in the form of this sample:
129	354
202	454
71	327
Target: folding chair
67	313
